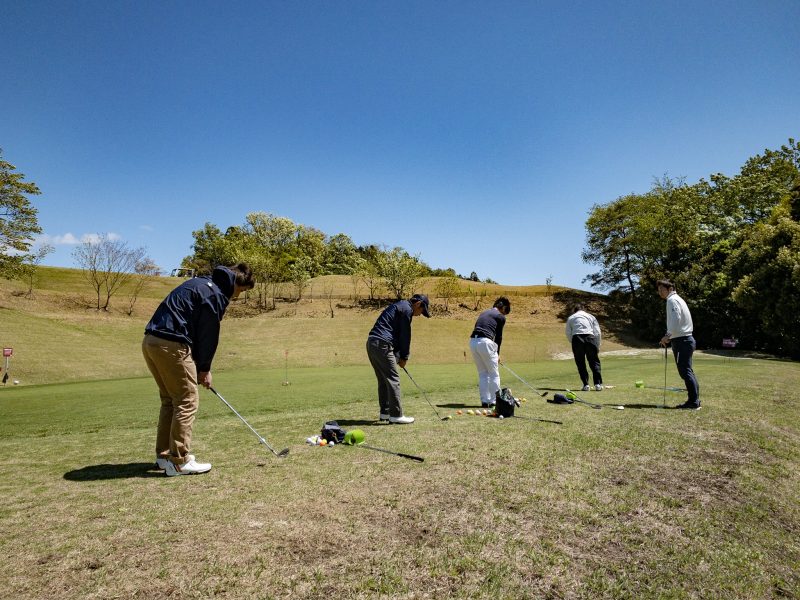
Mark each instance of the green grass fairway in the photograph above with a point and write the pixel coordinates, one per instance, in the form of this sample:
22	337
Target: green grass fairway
638	503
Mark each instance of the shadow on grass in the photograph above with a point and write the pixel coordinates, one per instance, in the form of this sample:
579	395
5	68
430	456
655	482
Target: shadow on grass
358	422
457	405
110	471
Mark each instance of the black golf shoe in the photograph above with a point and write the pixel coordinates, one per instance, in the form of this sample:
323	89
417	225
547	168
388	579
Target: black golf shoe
688	406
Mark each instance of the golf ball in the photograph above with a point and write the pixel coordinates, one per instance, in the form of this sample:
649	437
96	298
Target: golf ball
459	412
331	443
16	382
470	412
500	417
310	440
323	442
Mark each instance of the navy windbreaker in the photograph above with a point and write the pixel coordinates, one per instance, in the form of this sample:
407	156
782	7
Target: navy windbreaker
191	314
394	326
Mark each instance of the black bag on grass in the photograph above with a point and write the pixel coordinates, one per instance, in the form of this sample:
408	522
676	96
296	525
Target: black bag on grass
505	403
331	432
561	399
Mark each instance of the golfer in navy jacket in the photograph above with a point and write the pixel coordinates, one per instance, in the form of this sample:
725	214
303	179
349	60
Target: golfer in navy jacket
389	346
179	344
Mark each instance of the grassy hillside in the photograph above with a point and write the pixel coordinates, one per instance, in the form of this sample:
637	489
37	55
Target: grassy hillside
57	335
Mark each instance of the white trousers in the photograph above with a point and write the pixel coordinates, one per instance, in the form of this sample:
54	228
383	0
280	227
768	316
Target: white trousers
484	353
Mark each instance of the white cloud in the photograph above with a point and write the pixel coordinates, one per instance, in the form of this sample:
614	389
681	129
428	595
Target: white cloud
68	239
146	227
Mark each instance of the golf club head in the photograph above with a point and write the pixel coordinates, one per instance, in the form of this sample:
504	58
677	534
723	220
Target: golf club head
283	453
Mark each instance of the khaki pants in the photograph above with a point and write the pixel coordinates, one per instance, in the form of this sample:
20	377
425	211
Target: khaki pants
175	373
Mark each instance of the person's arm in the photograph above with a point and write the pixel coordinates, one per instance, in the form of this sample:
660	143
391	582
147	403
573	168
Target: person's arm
205	346
672	320
498	334
596	331
569	329
402	325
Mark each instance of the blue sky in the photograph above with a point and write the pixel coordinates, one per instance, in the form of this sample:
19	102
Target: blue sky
475	134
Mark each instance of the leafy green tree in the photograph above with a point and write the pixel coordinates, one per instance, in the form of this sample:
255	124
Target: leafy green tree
765	274
400	271
447	288
341	256
212	248
18	220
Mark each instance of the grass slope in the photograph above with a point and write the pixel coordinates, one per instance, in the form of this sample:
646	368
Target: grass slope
640	503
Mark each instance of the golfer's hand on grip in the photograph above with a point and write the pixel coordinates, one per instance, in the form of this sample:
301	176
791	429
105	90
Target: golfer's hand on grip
204	379
402	363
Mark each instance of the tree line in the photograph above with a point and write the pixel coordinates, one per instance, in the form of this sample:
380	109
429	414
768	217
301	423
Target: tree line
282	252
730	244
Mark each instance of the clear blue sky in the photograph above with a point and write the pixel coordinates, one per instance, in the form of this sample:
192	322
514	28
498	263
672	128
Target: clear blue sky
475	134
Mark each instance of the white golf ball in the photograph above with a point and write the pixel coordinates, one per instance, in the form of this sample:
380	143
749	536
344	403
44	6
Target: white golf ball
309	440
331	443
16	382
501	417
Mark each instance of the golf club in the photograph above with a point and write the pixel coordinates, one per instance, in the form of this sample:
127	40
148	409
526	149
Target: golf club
425	395
666	389
542	394
664	396
536	419
280	454
576	398
411	456
355	437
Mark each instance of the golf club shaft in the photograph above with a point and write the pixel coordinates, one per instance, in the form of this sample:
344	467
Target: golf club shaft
411	456
666	389
598	406
260	439
423	392
664	396
542	394
537	419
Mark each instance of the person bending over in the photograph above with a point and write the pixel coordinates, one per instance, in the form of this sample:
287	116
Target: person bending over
389	347
484	343
179	344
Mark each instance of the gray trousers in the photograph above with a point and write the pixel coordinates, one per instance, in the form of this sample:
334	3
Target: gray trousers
382	358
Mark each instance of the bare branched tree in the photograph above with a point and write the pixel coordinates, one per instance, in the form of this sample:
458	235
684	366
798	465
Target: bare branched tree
107	263
145	270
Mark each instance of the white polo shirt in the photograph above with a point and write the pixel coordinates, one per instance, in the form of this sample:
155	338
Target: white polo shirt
679	319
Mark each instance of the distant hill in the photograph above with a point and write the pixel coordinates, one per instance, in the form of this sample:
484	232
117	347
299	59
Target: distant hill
58	336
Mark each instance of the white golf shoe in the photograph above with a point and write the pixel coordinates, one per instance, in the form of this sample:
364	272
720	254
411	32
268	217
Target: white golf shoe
585	388
401	420
190	467
383	417
598	387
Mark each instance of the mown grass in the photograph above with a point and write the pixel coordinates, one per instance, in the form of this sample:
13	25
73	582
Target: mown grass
639	503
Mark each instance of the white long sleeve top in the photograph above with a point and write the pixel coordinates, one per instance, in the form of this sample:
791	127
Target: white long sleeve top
582	323
679	319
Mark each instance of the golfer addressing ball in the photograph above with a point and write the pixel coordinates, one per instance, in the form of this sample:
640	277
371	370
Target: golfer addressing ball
583	332
179	344
388	347
484	343
679	334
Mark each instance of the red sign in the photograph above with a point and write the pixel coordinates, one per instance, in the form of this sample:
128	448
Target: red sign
8	351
